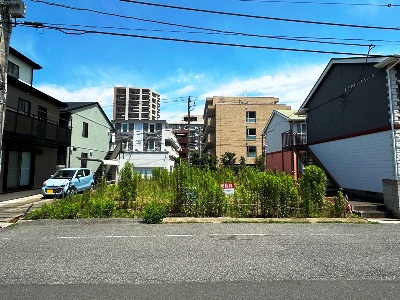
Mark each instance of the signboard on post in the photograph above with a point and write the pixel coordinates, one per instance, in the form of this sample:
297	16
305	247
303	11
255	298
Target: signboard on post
228	187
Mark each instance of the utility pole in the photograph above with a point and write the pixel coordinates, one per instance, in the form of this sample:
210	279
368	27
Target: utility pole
188	160
8	9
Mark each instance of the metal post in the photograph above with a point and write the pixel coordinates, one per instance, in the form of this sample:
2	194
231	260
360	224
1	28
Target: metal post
8	9
5	31
188	144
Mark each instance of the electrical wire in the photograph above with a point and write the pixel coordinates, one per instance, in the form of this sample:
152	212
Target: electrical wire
74	31
300	38
260	17
388	5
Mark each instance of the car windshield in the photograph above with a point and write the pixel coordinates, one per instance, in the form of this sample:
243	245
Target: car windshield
67	174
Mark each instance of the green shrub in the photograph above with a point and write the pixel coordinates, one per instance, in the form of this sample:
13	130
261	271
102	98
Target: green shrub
127	186
154	212
312	189
340	205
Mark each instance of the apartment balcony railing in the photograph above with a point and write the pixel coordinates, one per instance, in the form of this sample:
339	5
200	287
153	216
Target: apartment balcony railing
29	127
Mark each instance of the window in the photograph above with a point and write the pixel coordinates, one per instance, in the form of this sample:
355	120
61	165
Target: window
251	151
124	127
251	134
24	106
152	128
301	131
19	169
80	173
13	69
250	116
151	145
85	129
84	161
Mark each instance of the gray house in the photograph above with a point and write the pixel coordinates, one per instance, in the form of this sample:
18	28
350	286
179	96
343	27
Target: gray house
353	126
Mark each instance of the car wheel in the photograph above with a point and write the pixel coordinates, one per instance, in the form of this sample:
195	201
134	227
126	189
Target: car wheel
92	186
72	190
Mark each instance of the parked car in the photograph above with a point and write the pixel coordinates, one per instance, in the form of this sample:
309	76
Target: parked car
68	181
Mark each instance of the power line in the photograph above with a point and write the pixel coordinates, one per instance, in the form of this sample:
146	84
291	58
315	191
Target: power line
388	5
214	31
260	17
295	38
74	31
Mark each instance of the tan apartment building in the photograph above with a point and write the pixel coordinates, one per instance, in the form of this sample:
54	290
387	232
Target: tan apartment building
235	124
136	104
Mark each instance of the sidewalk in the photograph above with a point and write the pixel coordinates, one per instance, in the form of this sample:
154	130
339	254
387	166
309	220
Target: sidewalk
12	210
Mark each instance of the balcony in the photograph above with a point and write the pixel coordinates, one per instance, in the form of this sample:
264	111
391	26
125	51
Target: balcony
29	127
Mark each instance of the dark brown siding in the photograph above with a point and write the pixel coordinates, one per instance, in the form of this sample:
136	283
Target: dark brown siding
351	99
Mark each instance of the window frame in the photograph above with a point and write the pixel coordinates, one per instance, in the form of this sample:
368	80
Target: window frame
152	128
153	142
249	118
248	152
85	129
13	69
84	161
251	137
22	106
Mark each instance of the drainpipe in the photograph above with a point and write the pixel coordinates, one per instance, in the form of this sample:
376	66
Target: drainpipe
392	117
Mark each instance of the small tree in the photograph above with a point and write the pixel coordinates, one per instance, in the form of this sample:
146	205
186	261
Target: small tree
228	159
259	162
209	161
127	185
312	189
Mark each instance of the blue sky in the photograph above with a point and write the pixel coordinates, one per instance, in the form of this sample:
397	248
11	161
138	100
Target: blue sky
86	67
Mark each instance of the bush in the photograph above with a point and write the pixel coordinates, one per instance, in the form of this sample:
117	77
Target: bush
154	212
312	189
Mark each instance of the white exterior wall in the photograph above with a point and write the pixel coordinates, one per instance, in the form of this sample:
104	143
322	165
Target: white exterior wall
372	154
25	70
273	138
144	162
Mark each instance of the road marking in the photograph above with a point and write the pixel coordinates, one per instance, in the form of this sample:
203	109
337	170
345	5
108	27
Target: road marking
247	234
70	237
179	235
332	234
116	236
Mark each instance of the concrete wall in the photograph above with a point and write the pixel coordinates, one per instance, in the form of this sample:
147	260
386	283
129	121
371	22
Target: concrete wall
391	195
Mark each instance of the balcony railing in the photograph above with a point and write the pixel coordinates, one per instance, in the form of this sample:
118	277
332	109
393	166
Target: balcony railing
31	128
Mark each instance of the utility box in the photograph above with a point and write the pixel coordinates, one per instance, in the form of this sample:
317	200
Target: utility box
16	8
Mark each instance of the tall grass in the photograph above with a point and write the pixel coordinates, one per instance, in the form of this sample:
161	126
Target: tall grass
191	191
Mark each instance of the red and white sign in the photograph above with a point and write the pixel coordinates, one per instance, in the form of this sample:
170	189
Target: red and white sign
228	187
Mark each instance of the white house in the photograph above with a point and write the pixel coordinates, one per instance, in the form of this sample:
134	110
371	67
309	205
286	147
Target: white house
147	144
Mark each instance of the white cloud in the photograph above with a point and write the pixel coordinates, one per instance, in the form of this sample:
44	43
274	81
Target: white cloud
102	94
290	85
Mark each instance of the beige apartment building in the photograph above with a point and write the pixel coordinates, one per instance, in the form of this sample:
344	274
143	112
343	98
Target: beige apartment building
136	104
235	124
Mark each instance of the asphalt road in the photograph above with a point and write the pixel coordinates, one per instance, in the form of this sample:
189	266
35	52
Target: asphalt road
119	259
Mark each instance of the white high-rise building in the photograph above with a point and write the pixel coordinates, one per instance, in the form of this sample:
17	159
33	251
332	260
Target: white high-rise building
136	104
